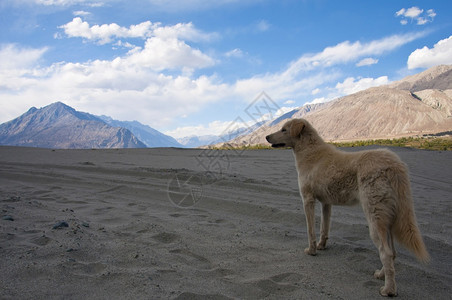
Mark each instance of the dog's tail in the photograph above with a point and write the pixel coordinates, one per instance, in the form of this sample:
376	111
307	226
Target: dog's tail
405	228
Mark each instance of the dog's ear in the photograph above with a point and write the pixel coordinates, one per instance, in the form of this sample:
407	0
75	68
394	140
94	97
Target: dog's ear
296	128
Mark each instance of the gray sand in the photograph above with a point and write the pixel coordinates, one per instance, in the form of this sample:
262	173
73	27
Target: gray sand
198	224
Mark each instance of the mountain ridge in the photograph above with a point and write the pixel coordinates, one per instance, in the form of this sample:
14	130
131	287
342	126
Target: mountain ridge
411	106
148	135
60	126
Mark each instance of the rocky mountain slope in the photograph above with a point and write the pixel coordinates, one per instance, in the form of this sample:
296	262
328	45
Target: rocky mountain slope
414	106
148	135
60	126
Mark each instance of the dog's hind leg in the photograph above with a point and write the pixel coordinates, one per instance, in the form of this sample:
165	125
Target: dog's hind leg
382	237
325	226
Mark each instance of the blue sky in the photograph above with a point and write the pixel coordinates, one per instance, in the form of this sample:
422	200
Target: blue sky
192	67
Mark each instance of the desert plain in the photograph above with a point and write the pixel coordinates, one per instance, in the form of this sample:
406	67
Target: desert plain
168	223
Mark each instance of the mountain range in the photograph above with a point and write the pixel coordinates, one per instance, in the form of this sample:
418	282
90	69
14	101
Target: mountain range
417	105
60	126
148	135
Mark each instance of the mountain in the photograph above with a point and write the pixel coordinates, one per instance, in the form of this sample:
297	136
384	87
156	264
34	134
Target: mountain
206	140
417	105
438	78
194	141
148	135
60	126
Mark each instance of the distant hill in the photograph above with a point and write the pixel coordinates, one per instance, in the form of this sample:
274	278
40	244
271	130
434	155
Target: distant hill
414	106
194	141
148	135
60	126
206	140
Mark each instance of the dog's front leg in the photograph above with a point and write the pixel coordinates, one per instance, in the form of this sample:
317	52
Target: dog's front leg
325	226
309	210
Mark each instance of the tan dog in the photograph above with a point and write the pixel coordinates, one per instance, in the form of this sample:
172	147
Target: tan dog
377	179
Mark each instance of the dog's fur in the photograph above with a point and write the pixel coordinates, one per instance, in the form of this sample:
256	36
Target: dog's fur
377	179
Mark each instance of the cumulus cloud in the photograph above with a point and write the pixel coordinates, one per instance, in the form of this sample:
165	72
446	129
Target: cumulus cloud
441	53
415	14
165	46
106	33
115	87
160	54
353	85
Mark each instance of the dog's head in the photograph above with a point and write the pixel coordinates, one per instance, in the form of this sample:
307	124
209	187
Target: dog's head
289	134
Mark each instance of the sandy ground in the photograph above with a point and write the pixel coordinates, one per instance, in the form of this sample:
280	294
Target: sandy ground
198	224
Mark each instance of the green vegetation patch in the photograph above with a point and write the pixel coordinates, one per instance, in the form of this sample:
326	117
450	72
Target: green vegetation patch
430	143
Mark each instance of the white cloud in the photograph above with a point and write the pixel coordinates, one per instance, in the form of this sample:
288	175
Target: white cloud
262	26
315	91
165	46
319	100
346	52
13	57
237	53
351	85
412	12
441	53
312	70
160	54
81	13
282	85
367	62
289	102
118	88
106	33
431	13
415	14
213	128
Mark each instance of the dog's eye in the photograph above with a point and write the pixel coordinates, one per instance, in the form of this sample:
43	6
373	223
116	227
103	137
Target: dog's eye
284	130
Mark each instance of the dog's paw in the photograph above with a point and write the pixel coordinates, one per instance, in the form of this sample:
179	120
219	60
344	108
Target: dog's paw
379	274
310	251
321	246
388	292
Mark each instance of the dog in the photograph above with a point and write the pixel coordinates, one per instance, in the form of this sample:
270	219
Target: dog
376	179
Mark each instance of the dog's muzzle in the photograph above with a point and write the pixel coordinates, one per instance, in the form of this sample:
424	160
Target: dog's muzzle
280	145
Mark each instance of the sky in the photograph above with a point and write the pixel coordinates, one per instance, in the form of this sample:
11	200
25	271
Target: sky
190	67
